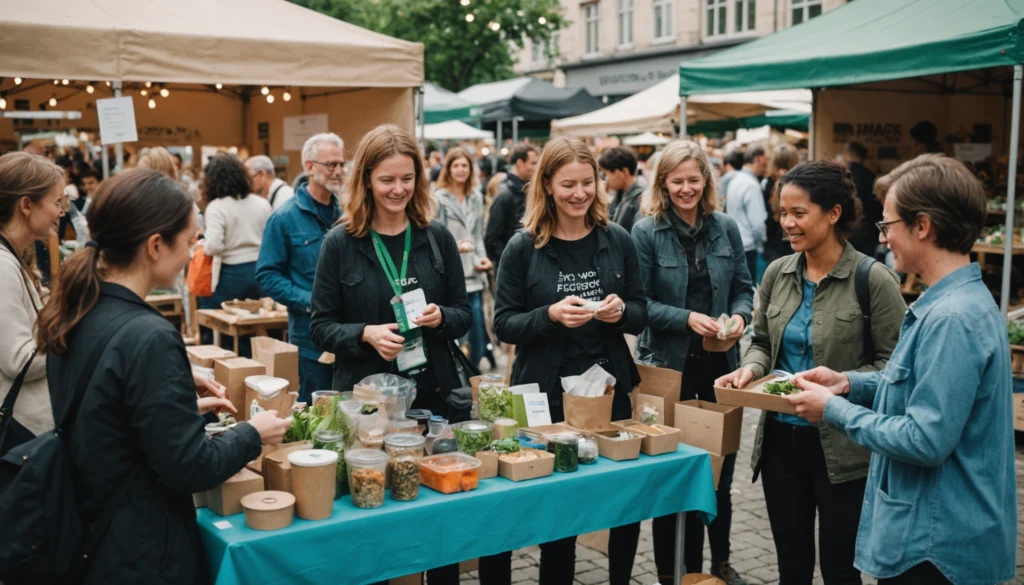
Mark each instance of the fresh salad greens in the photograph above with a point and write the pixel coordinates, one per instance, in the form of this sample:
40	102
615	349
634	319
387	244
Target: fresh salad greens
1015	331
304	424
783	388
495	402
505	446
336	420
471	441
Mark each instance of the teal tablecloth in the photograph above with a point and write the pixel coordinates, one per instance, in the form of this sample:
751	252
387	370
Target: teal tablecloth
364	546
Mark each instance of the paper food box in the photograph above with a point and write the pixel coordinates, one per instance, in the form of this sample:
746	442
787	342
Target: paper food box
277	471
753	396
661	383
205	355
537	434
716	467
698	579
280	358
542	466
232	373
488	464
226	499
257	464
657	439
269	393
709	426
616	449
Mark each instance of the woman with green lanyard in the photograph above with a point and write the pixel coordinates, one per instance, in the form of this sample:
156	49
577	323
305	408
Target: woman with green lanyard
389	291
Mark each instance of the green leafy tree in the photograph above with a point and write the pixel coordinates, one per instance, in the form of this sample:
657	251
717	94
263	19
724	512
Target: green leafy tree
466	41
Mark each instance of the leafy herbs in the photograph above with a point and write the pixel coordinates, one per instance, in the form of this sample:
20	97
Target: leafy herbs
1015	331
471	441
505	446
780	388
304	423
495	402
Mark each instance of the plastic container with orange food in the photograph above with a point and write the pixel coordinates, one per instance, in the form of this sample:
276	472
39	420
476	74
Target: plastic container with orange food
450	473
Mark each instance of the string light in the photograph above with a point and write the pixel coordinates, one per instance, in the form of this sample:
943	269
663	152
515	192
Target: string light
17	81
485	151
89	88
470	18
265	90
56	82
164	92
286	96
144	92
64	82
542	20
219	86
108	84
270	98
149	84
464	2
53	100
3	104
504	151
152	103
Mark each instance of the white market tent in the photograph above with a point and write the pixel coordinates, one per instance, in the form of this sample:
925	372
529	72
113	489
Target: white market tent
455	130
646	139
656	109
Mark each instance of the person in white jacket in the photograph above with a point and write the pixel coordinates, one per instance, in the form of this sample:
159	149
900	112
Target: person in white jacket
266	183
31	205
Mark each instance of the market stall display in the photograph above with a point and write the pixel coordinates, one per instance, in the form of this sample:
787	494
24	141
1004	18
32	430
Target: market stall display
236	326
367	470
314	476
269	510
450	473
403	473
473	435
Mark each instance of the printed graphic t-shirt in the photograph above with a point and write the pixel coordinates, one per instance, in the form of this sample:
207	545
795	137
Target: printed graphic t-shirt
584	346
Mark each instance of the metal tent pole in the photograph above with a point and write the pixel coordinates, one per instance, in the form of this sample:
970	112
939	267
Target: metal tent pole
682	116
421	116
810	126
1011	191
118	149
497	149
680	565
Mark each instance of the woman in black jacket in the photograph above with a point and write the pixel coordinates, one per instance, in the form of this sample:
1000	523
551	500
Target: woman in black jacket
568	255
138	444
385	250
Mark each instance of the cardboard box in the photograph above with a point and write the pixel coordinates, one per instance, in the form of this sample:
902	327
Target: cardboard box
232	373
277	472
698	579
661	382
205	355
552	430
716	467
709	426
488	464
256	464
752	396
595	540
280	358
653	444
524	470
199	499
616	450
226	499
1018	412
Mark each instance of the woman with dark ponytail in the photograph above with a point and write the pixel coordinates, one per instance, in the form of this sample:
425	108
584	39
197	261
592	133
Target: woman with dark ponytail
137	439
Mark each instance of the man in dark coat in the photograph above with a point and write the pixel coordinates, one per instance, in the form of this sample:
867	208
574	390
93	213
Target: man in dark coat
619	168
509	206
866	238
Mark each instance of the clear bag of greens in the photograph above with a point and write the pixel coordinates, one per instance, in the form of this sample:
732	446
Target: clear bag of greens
494	398
338	421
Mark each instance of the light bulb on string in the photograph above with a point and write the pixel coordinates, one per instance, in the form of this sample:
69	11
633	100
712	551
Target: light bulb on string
149	84
470	18
270	98
89	88
3	104
152	103
17	81
504	151
56	82
542	20
64	82
108	84
485	151
144	92
164	92
286	96
265	90
219	86
53	100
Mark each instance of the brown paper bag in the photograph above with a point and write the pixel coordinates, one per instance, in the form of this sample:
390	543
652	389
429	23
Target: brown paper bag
588	413
660	382
659	403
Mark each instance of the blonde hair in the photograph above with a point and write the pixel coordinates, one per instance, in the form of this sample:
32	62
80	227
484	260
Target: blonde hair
493	185
158	158
541	218
656	200
444	180
379	144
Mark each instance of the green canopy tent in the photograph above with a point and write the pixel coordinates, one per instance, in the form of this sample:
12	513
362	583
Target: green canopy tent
870	41
441	105
774	118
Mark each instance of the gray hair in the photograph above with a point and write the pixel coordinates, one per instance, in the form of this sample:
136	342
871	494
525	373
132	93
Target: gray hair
310	150
260	163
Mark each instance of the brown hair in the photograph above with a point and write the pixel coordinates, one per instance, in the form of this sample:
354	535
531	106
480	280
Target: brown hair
784	156
128	209
381	143
26	175
656	200
827	184
541	218
160	160
444	180
943	189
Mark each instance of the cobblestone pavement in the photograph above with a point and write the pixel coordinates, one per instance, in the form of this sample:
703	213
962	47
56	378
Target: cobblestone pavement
753	552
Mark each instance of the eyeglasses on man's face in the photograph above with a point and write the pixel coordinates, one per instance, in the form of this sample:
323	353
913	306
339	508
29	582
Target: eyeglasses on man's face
331	166
883	226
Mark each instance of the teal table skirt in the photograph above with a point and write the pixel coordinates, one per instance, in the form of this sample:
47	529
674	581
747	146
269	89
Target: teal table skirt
365	546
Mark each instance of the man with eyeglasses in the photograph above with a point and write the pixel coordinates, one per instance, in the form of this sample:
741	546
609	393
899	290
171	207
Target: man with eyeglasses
266	183
291	248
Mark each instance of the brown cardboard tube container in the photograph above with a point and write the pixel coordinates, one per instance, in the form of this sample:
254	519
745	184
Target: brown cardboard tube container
269	510
313	482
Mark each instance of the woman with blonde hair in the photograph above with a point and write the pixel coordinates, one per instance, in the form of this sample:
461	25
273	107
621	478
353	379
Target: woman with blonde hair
159	159
461	210
693	269
568	292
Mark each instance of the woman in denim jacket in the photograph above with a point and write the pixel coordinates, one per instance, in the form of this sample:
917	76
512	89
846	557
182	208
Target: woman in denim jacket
941	503
693	269
810	315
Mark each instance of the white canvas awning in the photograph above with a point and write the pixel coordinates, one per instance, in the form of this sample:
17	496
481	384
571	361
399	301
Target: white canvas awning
237	42
646	139
656	109
455	130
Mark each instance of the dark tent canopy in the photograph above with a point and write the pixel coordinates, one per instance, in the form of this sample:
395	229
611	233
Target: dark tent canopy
528	98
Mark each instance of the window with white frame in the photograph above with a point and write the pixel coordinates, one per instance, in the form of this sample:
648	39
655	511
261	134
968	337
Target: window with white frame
745	13
804	10
625	23
662	19
716	17
591	20
537	52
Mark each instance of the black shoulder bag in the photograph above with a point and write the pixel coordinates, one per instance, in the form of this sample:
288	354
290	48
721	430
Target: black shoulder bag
46	540
861	286
13	433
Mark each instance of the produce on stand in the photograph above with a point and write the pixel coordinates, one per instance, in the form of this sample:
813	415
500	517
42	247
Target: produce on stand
588	451
494	398
367	470
780	388
472	436
331	440
505	446
450	473
566	448
403	472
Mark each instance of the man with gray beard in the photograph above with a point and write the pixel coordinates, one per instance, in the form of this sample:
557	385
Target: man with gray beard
291	247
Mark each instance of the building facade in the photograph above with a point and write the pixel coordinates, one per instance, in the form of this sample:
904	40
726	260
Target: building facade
615	48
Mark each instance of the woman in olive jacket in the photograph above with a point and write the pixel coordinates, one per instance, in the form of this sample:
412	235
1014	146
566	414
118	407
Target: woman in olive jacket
693	270
809	316
568	255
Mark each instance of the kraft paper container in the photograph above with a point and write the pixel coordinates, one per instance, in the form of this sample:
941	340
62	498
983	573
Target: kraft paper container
269	510
617	450
314	481
753	396
661	382
205	355
488	464
524	470
709	426
226	499
652	444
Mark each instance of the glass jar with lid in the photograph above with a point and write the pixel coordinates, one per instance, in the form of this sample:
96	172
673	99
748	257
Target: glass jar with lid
403	473
334	441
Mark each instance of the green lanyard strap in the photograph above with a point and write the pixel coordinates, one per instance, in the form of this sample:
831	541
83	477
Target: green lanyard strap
387	264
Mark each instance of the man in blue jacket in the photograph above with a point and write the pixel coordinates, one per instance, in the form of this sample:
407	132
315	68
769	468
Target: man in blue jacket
291	248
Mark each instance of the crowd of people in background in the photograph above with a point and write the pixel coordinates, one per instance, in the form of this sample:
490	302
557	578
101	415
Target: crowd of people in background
567	255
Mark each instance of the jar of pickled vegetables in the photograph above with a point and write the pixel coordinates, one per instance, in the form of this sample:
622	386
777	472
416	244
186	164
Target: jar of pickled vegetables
566	450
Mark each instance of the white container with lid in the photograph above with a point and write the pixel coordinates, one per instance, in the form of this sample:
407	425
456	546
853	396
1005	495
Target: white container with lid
268	387
367	470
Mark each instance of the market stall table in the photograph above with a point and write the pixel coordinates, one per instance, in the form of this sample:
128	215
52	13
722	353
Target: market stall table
401	538
170	306
224	323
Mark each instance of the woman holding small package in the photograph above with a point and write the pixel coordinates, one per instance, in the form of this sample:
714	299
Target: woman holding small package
693	269
810	316
568	292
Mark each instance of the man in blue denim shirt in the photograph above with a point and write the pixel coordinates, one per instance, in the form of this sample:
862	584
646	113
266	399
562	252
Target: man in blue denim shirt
941	501
291	248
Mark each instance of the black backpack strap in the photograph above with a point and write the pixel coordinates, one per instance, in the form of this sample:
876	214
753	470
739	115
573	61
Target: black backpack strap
273	195
438	258
7	408
861	285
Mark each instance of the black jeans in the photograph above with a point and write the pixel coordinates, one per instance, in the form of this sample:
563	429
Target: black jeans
796	487
922	574
751	258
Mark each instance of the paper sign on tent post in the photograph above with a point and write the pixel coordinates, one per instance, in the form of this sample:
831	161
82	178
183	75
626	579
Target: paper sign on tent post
117	120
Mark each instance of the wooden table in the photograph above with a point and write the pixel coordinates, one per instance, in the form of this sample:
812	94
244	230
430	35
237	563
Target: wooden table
171	307
983	249
224	323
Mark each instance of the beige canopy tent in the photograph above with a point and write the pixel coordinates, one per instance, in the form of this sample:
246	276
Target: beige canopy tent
357	77
656	109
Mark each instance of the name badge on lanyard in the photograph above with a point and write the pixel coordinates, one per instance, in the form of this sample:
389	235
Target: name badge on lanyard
407	307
